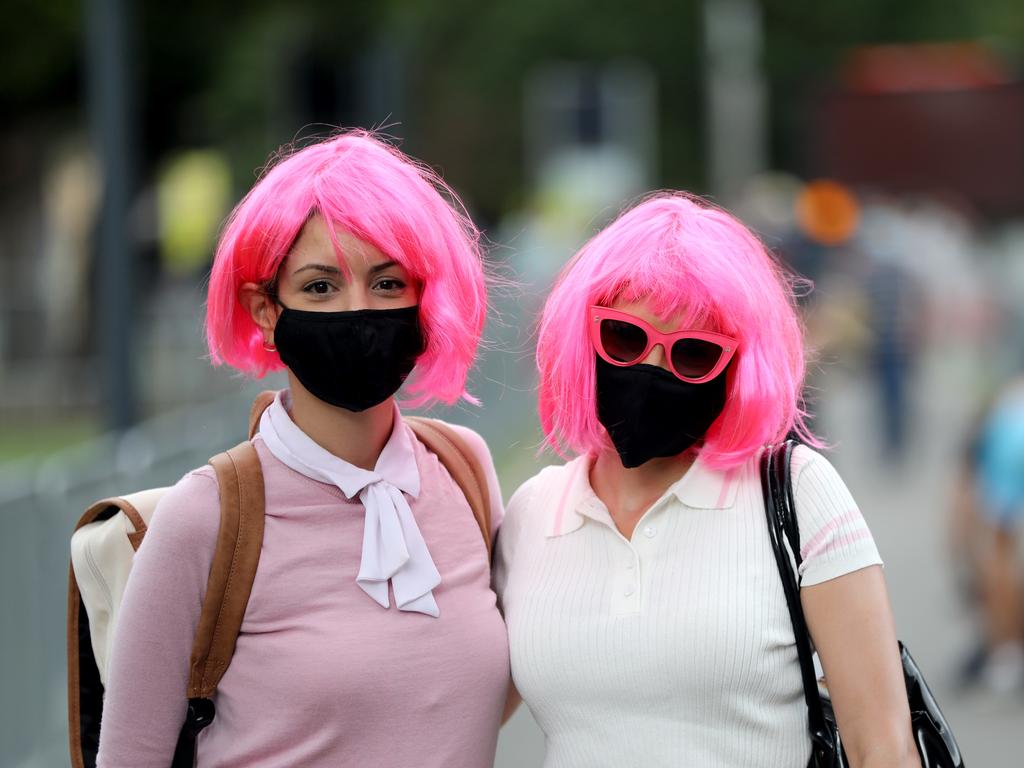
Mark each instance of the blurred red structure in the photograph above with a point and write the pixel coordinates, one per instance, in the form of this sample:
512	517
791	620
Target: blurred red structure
938	119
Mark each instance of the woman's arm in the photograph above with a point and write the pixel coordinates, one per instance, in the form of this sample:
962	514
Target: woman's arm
512	702
145	700
848	614
851	623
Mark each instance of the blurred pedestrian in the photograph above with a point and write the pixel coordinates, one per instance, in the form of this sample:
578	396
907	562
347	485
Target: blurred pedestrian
895	321
1000	488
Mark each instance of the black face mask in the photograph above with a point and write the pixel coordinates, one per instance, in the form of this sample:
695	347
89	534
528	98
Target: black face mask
650	413
353	360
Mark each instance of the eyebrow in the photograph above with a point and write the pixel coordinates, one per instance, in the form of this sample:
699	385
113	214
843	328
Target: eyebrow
383	266
328	269
333	270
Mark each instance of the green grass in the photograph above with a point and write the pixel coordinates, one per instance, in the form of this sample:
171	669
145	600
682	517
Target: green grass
35	440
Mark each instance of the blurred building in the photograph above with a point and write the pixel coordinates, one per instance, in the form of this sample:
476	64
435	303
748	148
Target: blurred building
944	120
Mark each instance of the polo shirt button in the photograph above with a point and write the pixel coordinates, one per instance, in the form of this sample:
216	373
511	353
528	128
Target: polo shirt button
650	531
630	566
630	589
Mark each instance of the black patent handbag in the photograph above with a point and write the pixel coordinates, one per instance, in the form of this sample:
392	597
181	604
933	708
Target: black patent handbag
932	735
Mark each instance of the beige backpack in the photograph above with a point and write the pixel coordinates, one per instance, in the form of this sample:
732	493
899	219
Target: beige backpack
103	548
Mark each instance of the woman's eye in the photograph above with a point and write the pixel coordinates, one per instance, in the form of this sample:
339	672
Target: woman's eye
389	285
319	287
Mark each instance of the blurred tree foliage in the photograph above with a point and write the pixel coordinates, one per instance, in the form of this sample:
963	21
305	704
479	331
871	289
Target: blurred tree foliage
245	78
473	59
42	48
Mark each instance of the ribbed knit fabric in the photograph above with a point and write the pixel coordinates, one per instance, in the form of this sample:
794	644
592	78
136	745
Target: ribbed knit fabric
674	648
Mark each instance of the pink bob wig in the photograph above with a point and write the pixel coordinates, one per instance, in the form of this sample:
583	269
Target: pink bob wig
691	260
364	186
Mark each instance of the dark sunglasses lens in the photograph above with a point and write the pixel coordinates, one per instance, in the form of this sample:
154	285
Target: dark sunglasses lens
695	358
622	342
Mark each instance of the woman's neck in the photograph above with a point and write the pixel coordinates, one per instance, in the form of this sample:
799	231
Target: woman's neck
629	493
356	437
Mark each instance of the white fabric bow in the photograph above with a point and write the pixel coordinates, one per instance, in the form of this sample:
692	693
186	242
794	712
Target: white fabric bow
393	547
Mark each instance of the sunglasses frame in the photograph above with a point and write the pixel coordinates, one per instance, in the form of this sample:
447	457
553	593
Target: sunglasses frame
727	344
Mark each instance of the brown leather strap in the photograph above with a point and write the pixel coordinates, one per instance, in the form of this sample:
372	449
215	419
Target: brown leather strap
462	464
96	510
74	676
234	566
101	507
259	405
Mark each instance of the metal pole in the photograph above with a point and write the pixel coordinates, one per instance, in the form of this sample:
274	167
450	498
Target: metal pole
735	95
111	113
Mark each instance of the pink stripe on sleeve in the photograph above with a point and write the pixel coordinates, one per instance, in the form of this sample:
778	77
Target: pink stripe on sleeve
820	541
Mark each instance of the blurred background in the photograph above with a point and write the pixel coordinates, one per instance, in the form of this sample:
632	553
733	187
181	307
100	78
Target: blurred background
877	147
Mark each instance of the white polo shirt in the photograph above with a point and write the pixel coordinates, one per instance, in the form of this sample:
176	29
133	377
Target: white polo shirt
673	648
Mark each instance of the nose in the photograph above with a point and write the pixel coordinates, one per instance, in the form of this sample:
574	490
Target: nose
656	357
353	297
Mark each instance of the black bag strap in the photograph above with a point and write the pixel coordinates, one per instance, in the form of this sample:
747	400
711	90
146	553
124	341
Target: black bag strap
780	512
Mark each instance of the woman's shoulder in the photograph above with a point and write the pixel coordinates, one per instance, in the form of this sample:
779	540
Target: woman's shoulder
812	471
473	439
469	437
477	446
804	460
818	488
188	513
527	514
543	485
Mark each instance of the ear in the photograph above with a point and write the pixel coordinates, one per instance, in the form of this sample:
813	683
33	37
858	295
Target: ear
261	307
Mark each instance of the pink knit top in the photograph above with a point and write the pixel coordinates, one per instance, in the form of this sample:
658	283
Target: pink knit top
322	675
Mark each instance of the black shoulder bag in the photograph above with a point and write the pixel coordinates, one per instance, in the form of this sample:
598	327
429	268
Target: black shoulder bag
932	735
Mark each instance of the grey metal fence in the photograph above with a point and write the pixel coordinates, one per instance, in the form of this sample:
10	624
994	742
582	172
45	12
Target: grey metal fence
39	505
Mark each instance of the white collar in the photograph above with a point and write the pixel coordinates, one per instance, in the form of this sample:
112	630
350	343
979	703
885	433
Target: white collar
393	547
699	488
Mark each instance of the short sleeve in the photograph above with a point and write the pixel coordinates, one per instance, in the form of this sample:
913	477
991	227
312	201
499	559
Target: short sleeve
834	538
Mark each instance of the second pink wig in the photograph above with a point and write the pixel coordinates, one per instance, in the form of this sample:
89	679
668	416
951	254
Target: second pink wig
689	259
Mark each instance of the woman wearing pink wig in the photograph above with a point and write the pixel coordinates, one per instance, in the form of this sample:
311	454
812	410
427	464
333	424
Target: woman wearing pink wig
371	636
647	623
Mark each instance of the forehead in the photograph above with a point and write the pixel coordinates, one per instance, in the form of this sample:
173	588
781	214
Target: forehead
675	319
314	245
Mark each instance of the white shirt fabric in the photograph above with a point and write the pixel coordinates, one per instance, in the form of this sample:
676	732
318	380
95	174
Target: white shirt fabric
393	547
674	648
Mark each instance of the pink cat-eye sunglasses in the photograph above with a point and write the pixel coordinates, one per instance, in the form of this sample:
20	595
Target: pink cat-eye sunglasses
623	339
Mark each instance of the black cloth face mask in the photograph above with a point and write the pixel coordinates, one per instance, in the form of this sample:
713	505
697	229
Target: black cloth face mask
649	412
354	360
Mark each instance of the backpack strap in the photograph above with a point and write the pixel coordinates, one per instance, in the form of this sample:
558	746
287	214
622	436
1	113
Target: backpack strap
239	540
259	405
461	463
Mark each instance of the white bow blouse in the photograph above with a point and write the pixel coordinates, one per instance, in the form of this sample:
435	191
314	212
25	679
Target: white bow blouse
393	547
